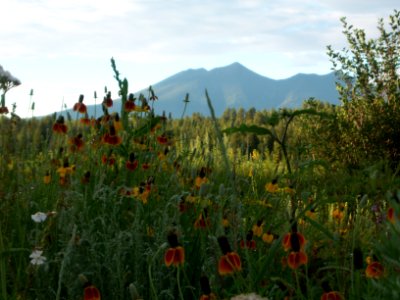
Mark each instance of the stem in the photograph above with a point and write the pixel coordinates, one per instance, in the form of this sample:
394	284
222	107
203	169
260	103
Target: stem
68	250
179	283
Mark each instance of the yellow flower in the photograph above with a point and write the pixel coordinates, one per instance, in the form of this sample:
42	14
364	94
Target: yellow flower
272	187
311	214
47	178
268	237
258	229
225	222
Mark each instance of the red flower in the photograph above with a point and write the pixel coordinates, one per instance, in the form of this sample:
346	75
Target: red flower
91	293
249	243
76	143
175	255
229	263
202	221
59	126
4	110
132	163
79	106
130	103
374	270
111	137
107	102
294	241
332	296
162	139
296	259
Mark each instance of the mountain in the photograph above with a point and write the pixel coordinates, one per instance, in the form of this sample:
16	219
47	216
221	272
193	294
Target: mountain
235	86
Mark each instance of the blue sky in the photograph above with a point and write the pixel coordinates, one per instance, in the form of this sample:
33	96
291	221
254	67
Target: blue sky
62	49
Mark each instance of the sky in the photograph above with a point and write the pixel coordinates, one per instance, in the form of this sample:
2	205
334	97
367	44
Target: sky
62	49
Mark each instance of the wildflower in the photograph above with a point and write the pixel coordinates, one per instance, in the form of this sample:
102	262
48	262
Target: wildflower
91	292
117	123
108	160
130	103
272	187
374	270
225	222
332	296
145	166
175	255
311	214
132	162
47	178
79	106
202	221
338	213
111	137
107	101
37	258
391	215
293	240
268	237
76	143
249	243
85	120
201	178
65	170
296	259
59	126
3	110
229	262
206	290
257	228
39	217
162	139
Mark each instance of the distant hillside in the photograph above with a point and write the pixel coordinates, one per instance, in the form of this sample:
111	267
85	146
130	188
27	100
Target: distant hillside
235	86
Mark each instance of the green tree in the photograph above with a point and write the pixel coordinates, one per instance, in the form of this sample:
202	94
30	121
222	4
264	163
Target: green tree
369	88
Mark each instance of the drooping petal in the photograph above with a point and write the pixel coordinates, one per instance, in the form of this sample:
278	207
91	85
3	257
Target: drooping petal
169	256
179	257
91	293
297	259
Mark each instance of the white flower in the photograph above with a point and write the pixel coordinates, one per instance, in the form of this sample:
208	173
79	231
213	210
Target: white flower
39	217
37	258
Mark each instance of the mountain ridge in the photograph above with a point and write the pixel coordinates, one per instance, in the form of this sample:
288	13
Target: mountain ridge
234	86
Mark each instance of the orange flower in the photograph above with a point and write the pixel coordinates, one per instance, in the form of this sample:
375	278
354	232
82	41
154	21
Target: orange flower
374	270
91	293
272	187
294	241
229	262
79	106
175	255
296	259
111	137
59	126
332	296
47	178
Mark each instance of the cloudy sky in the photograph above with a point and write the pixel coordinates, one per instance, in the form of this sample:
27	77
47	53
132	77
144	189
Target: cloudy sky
62	49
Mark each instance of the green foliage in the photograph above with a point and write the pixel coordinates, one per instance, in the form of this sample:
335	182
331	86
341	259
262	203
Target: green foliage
369	87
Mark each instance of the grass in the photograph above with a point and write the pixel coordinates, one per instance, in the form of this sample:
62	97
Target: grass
108	226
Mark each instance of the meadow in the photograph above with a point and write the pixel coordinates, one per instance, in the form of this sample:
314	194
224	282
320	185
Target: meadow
282	204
